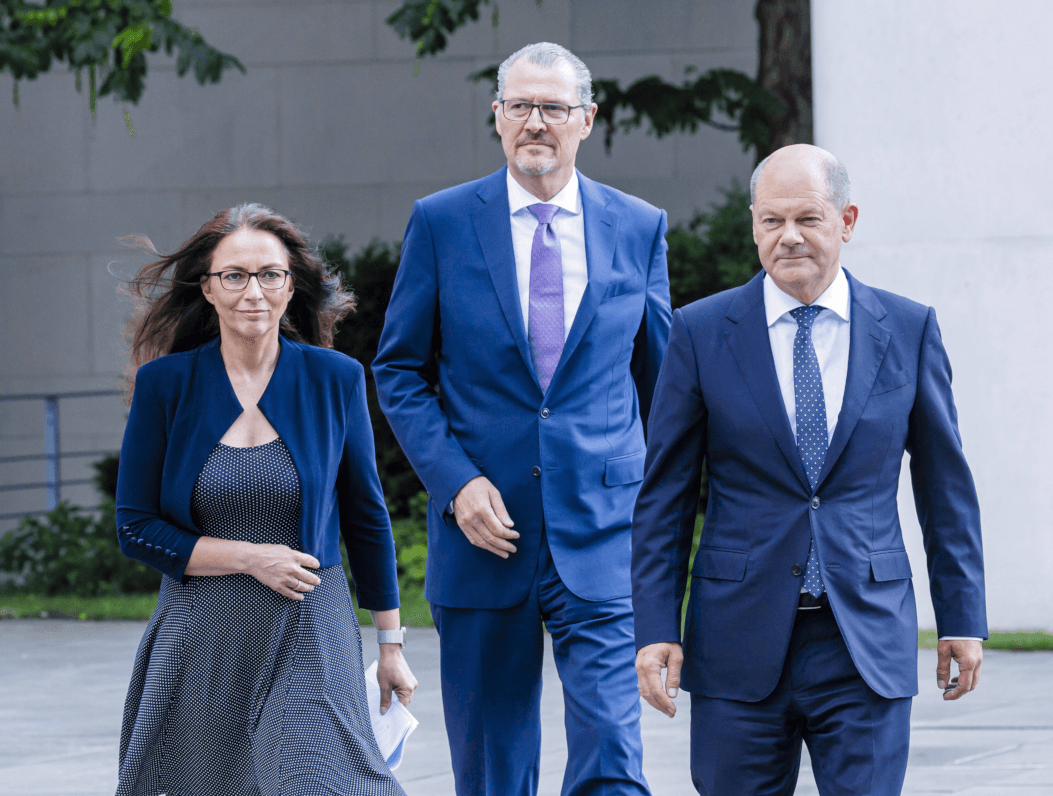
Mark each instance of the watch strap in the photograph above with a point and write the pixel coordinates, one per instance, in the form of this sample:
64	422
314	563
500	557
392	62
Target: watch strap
392	637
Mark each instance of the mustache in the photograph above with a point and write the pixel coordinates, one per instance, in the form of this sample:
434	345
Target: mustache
535	138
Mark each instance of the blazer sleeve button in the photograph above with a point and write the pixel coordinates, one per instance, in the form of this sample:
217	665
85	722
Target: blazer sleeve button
536	471
796	570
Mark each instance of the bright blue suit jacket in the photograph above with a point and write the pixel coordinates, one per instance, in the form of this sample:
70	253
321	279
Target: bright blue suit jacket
455	379
718	401
316	400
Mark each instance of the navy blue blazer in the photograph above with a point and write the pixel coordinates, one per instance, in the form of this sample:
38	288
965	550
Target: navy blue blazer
316	400
718	401
456	382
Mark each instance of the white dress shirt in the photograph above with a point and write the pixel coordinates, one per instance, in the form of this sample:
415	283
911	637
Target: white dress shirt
569	227
830	336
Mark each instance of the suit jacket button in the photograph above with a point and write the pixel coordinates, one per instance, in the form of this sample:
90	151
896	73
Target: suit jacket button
815	502
536	471
544	412
796	570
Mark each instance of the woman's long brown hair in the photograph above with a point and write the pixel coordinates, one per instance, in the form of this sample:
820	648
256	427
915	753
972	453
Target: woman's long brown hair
172	315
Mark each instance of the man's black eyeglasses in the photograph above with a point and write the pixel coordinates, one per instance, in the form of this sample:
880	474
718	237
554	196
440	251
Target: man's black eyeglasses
551	112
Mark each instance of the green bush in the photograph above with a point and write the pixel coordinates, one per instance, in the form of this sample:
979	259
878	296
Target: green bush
714	251
74	552
371	274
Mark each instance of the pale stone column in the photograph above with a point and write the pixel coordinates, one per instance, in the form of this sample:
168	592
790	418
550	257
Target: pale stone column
942	112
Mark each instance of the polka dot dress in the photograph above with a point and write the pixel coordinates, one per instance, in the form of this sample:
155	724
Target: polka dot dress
237	689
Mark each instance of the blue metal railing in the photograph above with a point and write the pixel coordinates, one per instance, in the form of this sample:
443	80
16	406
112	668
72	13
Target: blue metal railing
53	453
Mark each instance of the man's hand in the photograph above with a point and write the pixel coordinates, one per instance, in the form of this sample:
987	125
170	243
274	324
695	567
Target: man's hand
968	654
481	515
650	661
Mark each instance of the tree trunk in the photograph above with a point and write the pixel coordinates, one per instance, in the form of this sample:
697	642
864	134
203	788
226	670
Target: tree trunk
785	69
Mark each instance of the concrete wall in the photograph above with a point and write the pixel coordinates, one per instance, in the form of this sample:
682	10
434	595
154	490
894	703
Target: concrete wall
941	111
329	126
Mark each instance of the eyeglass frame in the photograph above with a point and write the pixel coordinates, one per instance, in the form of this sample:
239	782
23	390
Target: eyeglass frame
249	275
541	114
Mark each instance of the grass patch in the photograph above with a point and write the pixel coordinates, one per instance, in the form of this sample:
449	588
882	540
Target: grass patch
415	611
1021	640
32	606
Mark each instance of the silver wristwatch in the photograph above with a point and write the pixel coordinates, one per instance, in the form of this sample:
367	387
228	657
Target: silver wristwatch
392	637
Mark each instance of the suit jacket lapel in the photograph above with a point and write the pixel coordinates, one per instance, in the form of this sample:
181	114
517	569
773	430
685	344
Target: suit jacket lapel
869	341
493	228
601	227
746	333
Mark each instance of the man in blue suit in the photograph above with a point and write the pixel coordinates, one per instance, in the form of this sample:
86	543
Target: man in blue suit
519	355
800	392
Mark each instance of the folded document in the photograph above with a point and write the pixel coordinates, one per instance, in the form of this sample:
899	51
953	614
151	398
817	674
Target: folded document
392	728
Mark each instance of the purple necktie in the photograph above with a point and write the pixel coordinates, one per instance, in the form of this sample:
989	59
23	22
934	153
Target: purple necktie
546	330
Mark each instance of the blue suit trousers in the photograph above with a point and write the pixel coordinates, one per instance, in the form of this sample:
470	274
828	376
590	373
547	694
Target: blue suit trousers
491	663
857	739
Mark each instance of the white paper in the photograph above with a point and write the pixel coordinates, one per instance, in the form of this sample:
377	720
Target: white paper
392	728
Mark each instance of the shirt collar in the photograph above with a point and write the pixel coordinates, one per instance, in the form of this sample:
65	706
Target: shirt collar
834	298
569	197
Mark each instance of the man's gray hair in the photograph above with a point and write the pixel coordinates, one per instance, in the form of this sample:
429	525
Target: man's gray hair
545	54
834	174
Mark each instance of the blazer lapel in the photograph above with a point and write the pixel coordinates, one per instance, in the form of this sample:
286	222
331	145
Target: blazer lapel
288	408
601	228
869	341
746	333
493	228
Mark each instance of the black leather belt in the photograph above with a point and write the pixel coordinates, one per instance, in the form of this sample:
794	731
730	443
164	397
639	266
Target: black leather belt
809	603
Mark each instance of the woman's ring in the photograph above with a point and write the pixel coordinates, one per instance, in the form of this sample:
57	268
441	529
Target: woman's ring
297	586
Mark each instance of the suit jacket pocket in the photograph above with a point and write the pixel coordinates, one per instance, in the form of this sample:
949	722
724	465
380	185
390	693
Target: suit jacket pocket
887	382
623	286
890	565
624	469
711	562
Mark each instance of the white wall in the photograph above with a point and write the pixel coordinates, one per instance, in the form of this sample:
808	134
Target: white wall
329	126
942	113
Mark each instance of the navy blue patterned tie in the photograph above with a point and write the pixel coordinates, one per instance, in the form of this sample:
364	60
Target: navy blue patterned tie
812	433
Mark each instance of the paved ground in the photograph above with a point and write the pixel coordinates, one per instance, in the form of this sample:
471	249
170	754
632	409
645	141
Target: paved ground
62	687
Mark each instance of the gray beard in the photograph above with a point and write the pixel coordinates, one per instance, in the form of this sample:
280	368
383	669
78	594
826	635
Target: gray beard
534	168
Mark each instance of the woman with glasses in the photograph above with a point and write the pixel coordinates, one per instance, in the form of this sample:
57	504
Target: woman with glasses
247	455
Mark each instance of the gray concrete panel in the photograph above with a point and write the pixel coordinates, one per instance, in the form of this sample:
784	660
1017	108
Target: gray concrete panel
303	33
51	326
188	136
526	22
110	310
47	130
629	26
348	135
68	223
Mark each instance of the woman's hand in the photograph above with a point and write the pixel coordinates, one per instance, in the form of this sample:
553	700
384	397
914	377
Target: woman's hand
283	569
393	674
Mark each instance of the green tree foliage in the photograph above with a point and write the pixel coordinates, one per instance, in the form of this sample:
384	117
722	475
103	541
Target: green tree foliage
108	39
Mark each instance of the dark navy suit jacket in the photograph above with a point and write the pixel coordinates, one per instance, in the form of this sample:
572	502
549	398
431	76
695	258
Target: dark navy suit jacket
455	379
718	401
316	400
